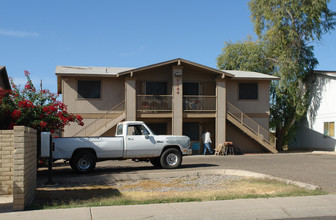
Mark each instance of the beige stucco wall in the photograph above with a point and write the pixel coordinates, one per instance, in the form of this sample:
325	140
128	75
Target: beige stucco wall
257	110
112	93
242	141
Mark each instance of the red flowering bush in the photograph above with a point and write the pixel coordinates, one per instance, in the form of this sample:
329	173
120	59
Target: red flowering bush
36	109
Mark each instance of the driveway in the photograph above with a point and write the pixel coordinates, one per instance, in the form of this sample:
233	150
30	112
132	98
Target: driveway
313	168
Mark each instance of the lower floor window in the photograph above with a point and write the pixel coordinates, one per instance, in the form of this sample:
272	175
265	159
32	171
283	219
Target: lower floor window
329	129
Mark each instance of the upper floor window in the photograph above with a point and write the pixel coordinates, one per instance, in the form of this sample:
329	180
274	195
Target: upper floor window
191	88
89	89
248	91
329	129
156	88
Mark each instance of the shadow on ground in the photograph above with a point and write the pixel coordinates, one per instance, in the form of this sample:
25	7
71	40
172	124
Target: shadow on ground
63	174
64	196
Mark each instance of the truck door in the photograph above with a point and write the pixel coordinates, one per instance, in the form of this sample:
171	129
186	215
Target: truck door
138	142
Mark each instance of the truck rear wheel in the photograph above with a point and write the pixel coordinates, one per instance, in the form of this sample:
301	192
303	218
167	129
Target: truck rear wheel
83	162
171	158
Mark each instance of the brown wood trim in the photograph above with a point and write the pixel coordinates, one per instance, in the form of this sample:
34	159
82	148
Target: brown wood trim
154	115
199	115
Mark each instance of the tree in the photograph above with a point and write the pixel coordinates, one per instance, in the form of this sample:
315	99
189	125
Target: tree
36	109
285	29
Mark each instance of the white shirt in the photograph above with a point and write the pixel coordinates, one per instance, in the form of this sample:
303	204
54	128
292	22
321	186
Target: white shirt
206	137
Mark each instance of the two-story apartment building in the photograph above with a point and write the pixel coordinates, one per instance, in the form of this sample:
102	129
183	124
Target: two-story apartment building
173	97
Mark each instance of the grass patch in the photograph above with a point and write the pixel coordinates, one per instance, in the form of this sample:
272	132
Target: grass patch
156	191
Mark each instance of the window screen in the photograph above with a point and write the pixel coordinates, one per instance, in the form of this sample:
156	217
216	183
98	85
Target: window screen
89	89
248	91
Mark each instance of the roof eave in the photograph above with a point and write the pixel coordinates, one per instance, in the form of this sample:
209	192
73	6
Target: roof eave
179	61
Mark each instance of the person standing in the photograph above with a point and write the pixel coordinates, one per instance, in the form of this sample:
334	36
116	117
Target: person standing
207	142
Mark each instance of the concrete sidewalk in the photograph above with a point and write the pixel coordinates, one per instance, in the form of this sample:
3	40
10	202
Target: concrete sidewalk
274	208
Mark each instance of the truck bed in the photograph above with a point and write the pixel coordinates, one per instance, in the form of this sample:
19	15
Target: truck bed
105	147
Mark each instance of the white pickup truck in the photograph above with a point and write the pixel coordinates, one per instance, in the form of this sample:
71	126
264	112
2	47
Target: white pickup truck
133	140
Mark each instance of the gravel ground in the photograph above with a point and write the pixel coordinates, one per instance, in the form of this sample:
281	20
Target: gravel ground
178	184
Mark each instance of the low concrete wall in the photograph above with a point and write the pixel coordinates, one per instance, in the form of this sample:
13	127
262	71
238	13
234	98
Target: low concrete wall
18	165
6	161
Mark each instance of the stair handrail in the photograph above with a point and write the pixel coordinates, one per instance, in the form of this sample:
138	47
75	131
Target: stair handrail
102	117
271	140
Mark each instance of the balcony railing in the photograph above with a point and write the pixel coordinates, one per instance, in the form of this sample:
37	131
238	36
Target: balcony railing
154	103
199	103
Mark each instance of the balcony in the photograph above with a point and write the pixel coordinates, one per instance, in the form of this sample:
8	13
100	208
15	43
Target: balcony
163	104
154	103
199	103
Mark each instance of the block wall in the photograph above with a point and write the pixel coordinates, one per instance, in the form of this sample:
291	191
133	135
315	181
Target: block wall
6	161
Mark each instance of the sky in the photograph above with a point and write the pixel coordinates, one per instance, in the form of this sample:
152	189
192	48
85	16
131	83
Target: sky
38	35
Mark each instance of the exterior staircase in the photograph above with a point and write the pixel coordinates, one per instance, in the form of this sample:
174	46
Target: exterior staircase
104	123
255	131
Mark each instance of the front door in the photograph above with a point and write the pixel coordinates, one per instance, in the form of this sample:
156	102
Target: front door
138	142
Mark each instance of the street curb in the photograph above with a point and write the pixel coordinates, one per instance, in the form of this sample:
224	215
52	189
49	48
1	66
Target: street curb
134	176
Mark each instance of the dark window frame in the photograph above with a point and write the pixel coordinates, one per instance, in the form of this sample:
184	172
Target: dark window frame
247	92
83	93
198	84
194	126
147	84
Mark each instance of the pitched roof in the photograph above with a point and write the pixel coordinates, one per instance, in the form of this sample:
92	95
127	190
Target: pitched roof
250	75
326	73
89	71
4	77
178	61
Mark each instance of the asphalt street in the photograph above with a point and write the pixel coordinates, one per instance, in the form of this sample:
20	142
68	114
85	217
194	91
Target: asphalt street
313	168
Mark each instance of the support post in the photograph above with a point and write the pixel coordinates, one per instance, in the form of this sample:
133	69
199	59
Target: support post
177	122
220	111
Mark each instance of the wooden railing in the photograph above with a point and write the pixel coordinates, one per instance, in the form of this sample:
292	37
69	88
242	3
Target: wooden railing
251	125
154	103
102	121
199	103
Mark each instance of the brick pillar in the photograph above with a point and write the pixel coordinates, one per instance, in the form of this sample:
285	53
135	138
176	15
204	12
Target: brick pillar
24	178
6	161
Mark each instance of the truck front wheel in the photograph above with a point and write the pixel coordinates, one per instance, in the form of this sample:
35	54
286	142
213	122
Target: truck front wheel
171	158
83	162
156	162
